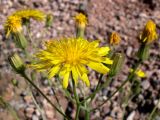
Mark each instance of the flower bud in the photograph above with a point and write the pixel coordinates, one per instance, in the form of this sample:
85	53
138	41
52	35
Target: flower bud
49	20
149	33
143	52
16	63
81	22
20	40
118	60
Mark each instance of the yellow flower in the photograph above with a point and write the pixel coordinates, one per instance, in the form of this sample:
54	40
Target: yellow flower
149	33
13	25
70	56
114	38
139	73
30	13
81	20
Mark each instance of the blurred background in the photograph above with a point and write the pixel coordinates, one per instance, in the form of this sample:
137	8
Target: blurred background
127	17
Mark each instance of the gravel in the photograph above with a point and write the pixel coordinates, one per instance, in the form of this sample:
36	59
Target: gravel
127	17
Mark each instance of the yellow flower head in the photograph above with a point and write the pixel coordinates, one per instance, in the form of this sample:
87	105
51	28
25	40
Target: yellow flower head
114	39
12	25
139	73
70	56
81	20
149	33
30	13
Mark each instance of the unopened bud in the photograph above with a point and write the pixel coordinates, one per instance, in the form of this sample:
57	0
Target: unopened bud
16	63
149	33
81	21
80	32
143	52
49	20
20	40
118	60
114	38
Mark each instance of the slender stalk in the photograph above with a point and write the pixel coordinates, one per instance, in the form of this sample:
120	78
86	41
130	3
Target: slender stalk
101	87
77	111
48	100
98	88
94	93
58	101
77	100
75	93
154	110
122	85
38	107
69	96
87	117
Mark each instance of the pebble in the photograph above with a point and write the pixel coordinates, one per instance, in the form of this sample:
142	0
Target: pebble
155	102
50	114
37	112
29	112
145	84
28	99
131	116
35	117
129	51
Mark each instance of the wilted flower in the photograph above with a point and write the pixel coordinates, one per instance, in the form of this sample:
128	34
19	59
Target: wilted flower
70	56
139	73
114	39
149	33
30	13
13	25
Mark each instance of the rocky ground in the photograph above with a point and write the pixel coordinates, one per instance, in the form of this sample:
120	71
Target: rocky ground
127	17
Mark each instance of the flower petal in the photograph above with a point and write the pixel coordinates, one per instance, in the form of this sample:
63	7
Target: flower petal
75	74
95	43
99	67
85	79
54	70
66	80
103	51
108	61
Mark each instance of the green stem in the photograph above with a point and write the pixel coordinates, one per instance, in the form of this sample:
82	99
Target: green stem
94	93
122	85
58	101
154	110
48	100
98	88
77	100
87	117
67	93
101	87
77	111
75	93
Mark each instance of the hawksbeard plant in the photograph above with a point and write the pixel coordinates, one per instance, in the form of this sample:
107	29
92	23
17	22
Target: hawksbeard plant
69	61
